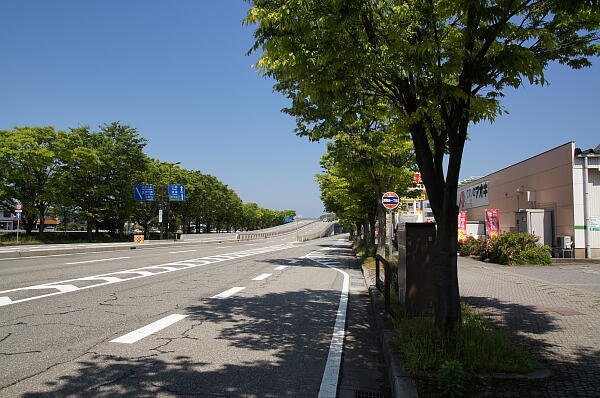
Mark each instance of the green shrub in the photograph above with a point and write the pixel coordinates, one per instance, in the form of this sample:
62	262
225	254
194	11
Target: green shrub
513	248
474	247
452	378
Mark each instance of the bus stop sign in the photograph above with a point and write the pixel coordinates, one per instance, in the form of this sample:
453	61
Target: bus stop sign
390	200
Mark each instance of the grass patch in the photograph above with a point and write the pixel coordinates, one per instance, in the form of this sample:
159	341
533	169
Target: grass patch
369	262
477	344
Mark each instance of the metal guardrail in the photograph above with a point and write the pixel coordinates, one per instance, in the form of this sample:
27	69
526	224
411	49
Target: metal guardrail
263	235
327	231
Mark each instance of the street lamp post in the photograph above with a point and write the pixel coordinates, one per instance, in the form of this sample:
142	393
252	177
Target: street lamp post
170	164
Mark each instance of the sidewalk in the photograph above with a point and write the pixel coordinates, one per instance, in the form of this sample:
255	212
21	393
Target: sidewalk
560	325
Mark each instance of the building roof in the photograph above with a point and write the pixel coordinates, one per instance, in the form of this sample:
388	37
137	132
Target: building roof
595	151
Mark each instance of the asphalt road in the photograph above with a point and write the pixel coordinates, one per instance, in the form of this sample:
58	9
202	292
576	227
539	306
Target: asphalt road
246	319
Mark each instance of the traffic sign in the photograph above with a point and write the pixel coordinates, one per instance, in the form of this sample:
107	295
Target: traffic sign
18	211
18	215
390	200
143	192
176	193
19	206
288	219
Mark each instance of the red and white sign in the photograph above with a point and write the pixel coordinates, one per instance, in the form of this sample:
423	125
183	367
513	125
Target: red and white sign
19	206
462	226
492	223
390	200
417	178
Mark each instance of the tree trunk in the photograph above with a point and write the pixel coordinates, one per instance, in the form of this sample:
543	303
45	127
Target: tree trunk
447	305
90	228
381	213
29	223
42	211
372	223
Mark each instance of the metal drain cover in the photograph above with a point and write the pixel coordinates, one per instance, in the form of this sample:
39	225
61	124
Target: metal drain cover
368	394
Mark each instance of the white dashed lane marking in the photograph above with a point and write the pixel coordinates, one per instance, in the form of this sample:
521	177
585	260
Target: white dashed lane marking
147	330
70	285
228	292
261	277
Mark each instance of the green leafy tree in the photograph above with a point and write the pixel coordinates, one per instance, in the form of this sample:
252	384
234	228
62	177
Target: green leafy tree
32	162
123	158
439	64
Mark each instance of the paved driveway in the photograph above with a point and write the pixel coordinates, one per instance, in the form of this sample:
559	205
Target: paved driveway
555	311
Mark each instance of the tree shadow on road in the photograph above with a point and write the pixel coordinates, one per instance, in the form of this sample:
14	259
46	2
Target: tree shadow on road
239	346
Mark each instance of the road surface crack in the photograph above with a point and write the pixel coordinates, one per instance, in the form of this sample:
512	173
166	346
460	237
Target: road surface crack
65	312
5	337
113	380
9	354
169	340
63	324
112	298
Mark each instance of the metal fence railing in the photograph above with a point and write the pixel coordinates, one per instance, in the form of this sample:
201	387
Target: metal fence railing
385	285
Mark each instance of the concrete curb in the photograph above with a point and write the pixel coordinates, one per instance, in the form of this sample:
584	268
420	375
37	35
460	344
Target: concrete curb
576	261
401	383
118	247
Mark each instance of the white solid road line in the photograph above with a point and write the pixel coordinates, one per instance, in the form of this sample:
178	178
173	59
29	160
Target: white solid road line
148	329
280	267
331	373
228	292
95	261
183	251
261	277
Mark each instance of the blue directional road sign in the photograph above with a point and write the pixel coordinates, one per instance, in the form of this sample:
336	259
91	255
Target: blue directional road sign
288	219
176	193
143	192
18	215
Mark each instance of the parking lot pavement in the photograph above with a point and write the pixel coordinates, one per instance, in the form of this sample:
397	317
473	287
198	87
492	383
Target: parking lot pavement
554	311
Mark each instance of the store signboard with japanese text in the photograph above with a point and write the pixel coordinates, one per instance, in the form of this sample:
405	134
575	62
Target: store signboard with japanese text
473	196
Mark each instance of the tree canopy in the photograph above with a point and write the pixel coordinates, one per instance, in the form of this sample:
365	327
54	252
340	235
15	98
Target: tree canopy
87	176
437	65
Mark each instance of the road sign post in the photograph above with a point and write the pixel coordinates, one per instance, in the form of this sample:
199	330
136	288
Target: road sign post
18	212
390	201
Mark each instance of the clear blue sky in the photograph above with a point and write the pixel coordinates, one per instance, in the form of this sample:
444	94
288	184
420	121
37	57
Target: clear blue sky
177	71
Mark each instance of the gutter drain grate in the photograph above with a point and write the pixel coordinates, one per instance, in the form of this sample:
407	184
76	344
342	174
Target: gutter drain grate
367	394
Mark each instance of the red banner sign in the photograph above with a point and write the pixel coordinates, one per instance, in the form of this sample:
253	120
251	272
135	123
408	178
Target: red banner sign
417	178
462	226
492	223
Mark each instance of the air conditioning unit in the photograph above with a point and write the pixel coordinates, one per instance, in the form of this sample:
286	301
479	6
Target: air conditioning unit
563	242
